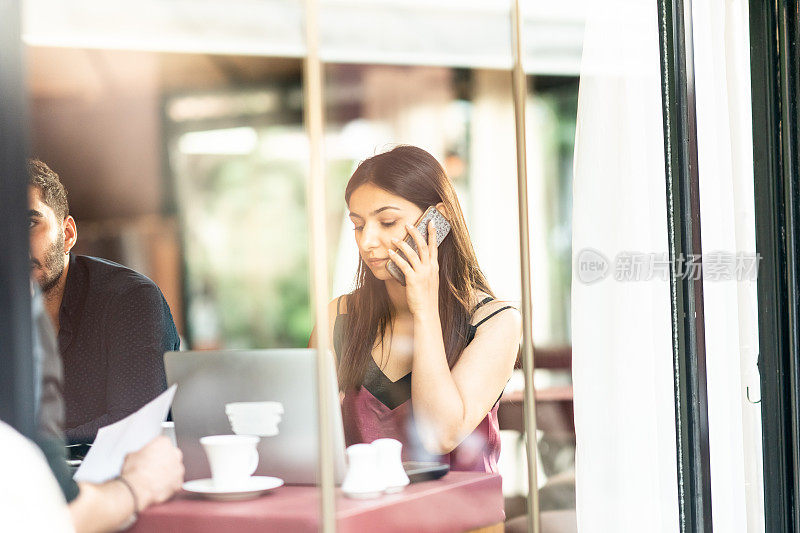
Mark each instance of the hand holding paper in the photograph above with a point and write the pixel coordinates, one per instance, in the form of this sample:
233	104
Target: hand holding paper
115	441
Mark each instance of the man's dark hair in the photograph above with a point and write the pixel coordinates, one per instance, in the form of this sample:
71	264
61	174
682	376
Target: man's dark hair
54	195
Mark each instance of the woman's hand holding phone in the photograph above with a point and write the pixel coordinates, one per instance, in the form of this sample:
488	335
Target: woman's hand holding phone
421	271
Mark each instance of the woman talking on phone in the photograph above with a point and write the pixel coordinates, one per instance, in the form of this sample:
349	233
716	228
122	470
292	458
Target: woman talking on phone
425	362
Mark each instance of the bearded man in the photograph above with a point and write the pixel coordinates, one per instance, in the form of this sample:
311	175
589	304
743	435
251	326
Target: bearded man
113	324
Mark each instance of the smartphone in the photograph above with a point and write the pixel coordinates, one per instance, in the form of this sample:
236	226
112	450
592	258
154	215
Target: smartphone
442	229
424	471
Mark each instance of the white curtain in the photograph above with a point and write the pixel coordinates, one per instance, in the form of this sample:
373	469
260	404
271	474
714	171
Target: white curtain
722	79
621	334
626	468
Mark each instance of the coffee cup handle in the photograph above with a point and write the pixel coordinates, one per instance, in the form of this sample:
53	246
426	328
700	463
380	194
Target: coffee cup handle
254	461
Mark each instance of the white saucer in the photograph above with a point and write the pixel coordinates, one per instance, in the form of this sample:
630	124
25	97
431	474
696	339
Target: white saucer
253	487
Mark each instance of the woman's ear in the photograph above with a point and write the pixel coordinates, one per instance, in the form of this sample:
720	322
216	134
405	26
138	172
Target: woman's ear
443	210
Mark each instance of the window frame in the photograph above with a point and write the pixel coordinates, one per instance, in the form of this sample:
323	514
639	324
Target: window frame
683	227
774	32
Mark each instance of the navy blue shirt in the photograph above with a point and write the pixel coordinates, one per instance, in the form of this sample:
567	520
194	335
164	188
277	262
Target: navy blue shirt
114	327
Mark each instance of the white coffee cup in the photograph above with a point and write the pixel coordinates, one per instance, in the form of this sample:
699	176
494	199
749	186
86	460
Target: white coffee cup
233	458
254	418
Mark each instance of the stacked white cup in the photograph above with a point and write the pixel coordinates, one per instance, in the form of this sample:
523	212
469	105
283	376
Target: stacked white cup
390	464
254	418
374	469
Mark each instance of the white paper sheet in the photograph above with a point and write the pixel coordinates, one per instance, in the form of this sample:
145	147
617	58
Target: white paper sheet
115	441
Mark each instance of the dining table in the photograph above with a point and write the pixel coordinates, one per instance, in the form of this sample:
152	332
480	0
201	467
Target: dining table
457	502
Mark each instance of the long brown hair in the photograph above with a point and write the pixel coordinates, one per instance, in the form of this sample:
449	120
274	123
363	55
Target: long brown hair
415	175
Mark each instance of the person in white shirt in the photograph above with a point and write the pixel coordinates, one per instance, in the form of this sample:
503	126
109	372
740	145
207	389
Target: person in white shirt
30	498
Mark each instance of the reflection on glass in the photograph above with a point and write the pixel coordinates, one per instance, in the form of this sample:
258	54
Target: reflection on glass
236	165
552	109
246	234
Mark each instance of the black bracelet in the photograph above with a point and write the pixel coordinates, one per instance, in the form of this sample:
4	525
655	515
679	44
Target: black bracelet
133	495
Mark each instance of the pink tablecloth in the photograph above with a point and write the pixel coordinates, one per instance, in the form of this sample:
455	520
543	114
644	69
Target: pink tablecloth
459	501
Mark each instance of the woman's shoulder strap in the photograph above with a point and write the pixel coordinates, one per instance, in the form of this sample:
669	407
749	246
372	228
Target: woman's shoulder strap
482	302
490	315
339	305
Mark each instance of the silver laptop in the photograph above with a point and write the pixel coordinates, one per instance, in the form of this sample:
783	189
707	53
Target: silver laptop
207	381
